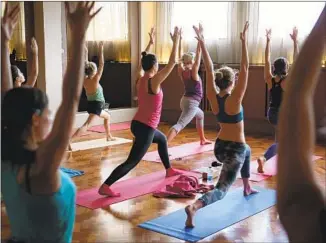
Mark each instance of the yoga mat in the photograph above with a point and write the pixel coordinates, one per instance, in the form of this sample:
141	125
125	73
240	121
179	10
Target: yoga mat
128	189
97	143
270	169
215	217
180	151
113	127
72	172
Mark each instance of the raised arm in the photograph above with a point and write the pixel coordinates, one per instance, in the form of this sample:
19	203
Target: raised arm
180	53
241	86
211	90
56	143
100	63
86	53
268	67
32	76
164	73
8	23
294	37
299	199
140	71
195	68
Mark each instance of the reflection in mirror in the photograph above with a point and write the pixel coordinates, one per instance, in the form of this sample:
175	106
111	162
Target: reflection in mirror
111	27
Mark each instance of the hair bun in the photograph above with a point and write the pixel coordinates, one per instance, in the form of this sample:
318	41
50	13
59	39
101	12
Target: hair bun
219	75
143	53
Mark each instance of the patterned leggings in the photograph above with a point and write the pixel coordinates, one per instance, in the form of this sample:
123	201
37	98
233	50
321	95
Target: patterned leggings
234	156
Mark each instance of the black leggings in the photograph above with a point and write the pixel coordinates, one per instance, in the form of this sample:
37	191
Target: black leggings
144	137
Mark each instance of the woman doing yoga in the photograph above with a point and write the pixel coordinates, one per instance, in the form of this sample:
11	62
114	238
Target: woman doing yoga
230	146
95	96
39	197
18	77
301	201
144	124
275	81
188	72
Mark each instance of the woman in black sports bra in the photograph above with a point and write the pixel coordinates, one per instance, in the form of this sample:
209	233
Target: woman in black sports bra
300	200
275	81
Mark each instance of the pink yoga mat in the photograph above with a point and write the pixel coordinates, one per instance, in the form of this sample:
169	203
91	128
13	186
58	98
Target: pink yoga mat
113	127
270	169
180	151
128	189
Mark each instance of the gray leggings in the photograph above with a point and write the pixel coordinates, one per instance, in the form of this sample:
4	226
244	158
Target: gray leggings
190	109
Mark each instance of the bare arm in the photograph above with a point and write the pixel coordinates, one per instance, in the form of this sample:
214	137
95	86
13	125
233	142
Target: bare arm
294	38
268	69
240	88
211	90
8	23
180	53
100	63
51	152
164	73
196	65
32	76
86	52
140	71
298	192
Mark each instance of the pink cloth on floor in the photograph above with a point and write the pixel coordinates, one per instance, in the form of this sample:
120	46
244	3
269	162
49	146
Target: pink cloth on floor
183	187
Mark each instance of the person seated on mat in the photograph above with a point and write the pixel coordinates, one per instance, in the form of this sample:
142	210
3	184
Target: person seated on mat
276	85
95	96
230	146
300	201
18	77
145	122
188	72
39	197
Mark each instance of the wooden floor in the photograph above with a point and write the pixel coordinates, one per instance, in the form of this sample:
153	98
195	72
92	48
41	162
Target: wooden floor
118	222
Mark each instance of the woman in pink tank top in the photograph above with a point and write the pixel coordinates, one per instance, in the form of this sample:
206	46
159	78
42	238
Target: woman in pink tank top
144	125
188	71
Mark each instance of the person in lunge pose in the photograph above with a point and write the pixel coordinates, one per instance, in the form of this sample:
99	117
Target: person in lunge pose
275	80
230	146
144	124
188	71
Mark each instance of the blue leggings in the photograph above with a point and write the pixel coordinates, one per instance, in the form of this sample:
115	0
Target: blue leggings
234	156
272	116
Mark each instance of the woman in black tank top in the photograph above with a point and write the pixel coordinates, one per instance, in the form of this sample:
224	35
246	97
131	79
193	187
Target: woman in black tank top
275	78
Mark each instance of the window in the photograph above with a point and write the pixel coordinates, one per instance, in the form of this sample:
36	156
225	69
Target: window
281	17
111	24
213	16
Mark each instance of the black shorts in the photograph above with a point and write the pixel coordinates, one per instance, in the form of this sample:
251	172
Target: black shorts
95	107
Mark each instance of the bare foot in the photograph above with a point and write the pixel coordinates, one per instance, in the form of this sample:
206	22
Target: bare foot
171	172
249	191
261	161
205	141
190	215
110	138
105	190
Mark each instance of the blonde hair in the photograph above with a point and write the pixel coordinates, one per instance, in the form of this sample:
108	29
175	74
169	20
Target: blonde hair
90	69
224	77
188	57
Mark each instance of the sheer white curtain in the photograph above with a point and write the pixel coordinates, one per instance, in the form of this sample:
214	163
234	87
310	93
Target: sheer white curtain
281	17
111	27
223	22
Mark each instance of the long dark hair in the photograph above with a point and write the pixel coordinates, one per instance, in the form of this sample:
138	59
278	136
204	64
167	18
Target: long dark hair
18	107
148	61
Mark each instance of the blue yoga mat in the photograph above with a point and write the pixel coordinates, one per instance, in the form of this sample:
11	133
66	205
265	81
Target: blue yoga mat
215	217
72	172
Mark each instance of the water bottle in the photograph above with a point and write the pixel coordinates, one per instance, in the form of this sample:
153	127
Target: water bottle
209	175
